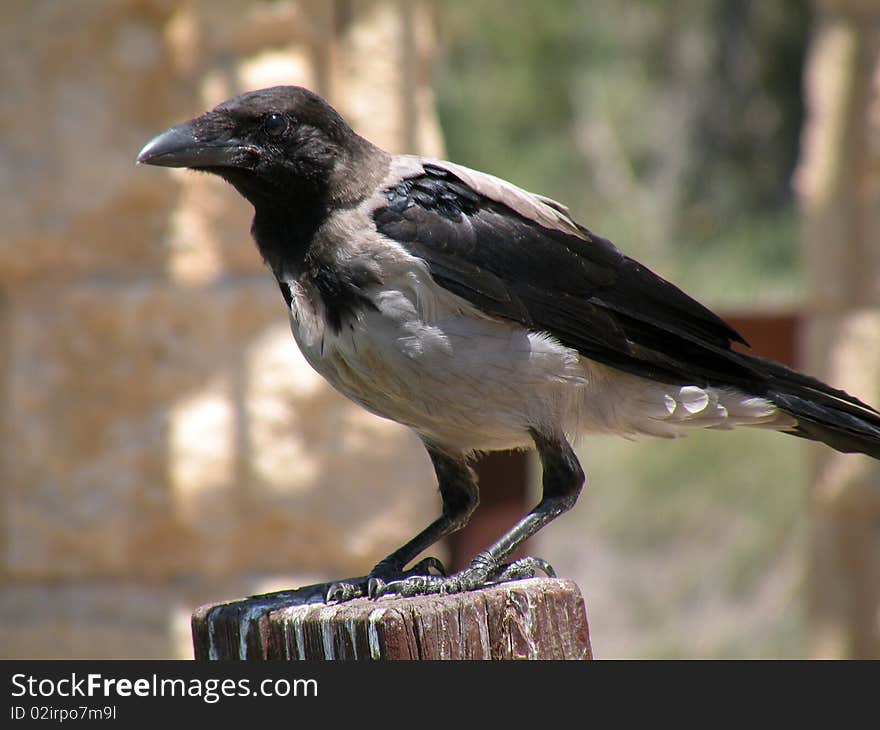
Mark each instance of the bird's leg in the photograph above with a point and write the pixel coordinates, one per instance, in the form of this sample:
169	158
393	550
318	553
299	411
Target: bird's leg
562	483
458	490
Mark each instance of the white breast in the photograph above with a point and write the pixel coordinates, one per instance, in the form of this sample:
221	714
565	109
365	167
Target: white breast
426	358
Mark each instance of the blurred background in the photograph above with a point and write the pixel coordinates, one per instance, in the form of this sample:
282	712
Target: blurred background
165	445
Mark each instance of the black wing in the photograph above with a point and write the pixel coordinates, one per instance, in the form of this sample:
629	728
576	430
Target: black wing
570	283
517	256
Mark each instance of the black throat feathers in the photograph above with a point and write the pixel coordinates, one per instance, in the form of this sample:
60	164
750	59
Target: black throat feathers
284	236
288	245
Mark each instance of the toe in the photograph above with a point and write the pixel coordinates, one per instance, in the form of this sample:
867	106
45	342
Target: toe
375	587
341	592
523	568
425	566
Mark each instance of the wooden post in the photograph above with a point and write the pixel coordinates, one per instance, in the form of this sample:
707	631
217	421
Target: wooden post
539	618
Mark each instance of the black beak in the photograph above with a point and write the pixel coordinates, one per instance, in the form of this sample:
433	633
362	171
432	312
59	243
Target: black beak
178	147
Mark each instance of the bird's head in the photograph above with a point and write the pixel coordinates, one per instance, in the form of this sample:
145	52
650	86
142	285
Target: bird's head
274	145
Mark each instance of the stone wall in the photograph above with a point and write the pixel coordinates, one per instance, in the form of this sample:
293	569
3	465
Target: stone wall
164	443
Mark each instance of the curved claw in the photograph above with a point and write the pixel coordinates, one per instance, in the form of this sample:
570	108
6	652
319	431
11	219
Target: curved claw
523	568
381	588
376	583
341	592
375	587
384	580
424	566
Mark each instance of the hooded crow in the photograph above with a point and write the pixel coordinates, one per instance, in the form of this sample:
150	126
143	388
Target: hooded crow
482	316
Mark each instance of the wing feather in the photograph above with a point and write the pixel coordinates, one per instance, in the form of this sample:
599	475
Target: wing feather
522	257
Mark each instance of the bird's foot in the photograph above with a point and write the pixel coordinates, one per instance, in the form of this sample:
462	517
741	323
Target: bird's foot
483	571
385	573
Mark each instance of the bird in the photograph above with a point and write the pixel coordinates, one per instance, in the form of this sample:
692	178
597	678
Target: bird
483	317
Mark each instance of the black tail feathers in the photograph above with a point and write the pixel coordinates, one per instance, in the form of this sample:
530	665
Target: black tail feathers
823	413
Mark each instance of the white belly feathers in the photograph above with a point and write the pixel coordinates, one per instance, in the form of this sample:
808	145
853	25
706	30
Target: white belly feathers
464	381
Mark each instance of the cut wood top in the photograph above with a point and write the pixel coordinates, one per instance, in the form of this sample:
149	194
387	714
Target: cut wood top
539	618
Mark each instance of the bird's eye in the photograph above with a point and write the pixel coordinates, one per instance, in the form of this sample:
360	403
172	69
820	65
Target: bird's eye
275	124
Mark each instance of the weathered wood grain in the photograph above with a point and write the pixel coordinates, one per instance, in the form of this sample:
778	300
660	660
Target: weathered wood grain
540	618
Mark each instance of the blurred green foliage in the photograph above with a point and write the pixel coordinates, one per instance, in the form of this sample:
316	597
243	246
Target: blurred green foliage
673	129
689	548
670	127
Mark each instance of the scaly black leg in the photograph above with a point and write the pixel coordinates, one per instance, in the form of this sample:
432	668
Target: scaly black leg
458	490
562	482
